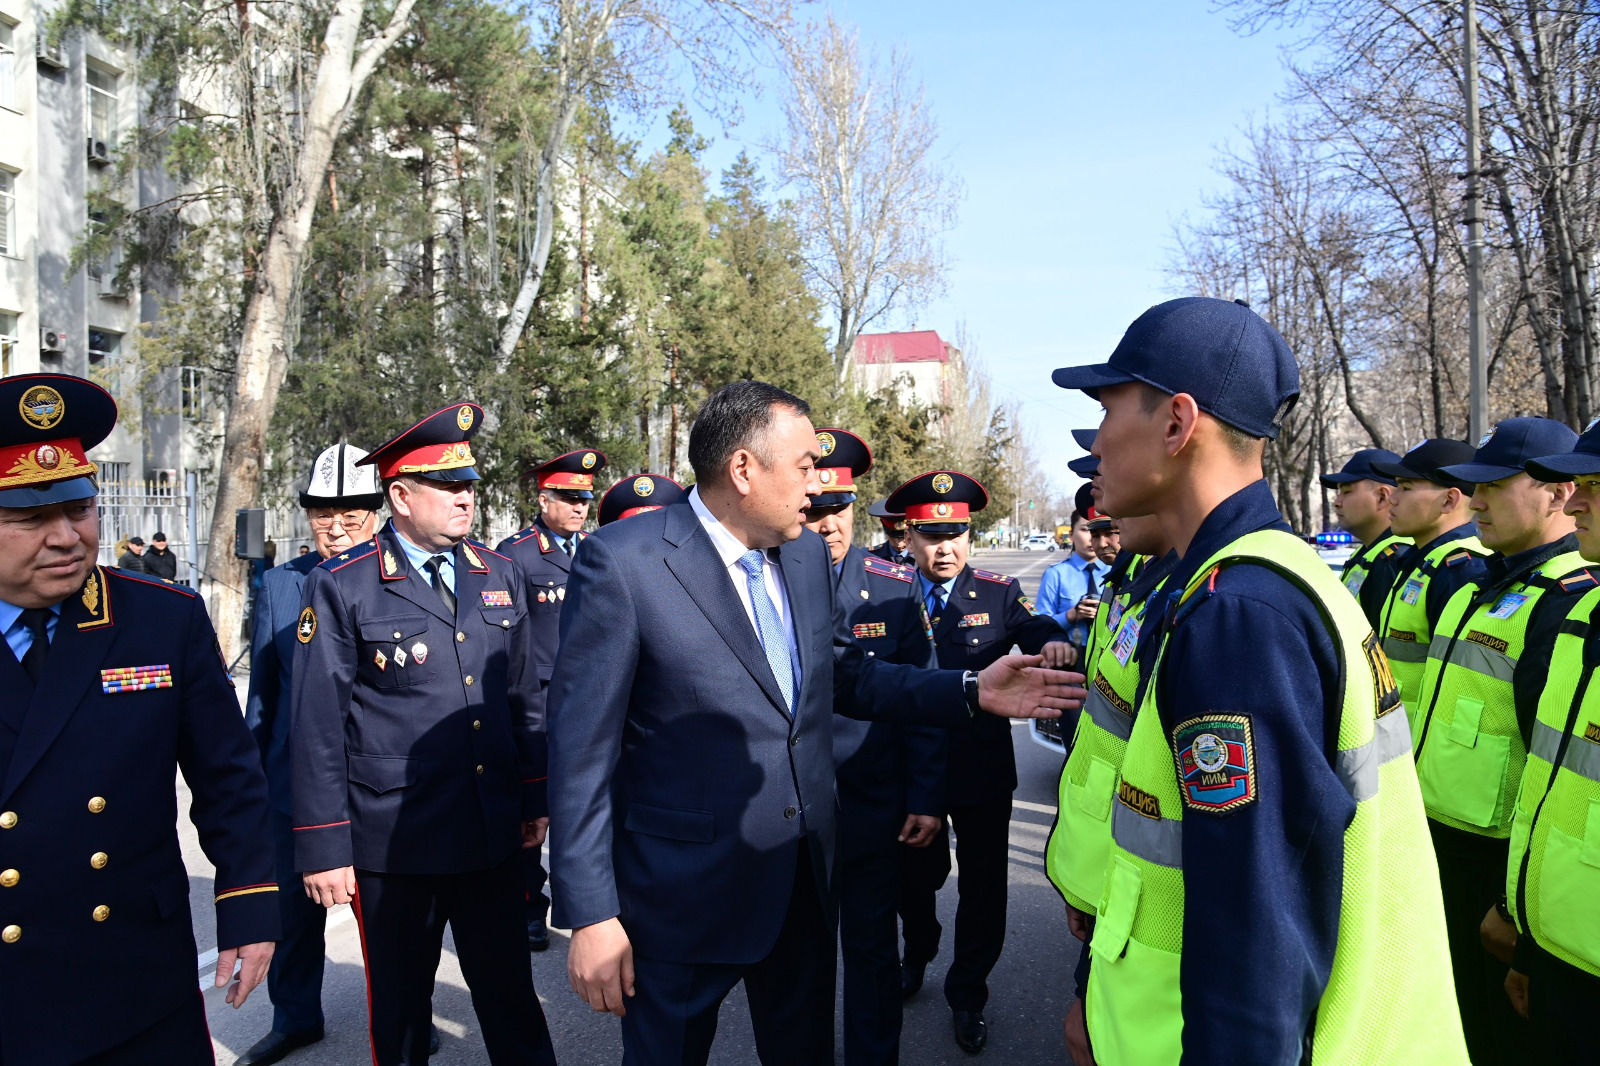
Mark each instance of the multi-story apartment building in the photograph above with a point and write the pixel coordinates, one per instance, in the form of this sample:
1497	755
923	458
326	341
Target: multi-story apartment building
920	357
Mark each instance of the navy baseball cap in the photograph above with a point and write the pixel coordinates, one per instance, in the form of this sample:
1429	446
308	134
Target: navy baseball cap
1085	465
1236	366
1084	438
1506	449
1359	468
1426	461
1582	461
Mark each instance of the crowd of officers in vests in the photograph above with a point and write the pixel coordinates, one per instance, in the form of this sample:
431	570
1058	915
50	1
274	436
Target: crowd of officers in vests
1298	821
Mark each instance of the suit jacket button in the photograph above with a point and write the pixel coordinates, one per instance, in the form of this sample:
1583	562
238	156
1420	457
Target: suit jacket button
99	859
789	812
476	725
974	640
468	679
460	637
96	805
397	634
505	623
101	913
8	820
11	934
480	769
872	654
794	741
9	878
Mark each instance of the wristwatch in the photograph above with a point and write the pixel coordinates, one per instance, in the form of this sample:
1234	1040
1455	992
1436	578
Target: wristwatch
969	686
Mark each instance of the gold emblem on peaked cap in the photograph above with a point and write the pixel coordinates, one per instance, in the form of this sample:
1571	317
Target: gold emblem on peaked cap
588	460
943	483
943	510
464	417
826	442
42	407
643	486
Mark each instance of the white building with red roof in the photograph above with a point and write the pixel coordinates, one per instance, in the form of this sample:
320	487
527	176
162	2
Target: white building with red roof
923	361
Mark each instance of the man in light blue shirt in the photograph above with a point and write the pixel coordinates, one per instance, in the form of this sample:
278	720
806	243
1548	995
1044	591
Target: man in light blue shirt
1068	582
16	631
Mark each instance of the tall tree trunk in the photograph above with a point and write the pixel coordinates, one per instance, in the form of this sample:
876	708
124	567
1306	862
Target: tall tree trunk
264	346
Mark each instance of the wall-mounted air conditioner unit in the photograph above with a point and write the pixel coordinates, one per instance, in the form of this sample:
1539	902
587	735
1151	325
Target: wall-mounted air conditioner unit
52	340
99	152
50	54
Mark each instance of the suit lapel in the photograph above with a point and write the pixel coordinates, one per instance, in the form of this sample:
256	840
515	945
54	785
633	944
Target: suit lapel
700	571
797	570
955	606
472	574
402	579
84	637
559	557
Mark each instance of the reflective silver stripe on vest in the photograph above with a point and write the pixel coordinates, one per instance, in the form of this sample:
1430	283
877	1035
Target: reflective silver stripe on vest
1470	655
1358	767
1104	714
1405	651
1583	756
1157	840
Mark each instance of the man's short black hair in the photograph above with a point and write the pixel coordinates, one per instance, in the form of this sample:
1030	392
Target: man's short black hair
157	536
734	417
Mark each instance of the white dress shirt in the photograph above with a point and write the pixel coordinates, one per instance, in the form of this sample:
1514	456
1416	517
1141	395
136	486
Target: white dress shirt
730	548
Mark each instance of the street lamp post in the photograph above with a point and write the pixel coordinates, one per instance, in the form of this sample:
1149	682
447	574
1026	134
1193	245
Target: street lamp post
1477	332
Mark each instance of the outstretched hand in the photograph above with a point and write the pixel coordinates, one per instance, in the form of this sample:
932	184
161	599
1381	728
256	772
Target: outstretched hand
1019	686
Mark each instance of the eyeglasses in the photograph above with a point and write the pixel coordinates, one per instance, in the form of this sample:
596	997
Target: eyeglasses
350	520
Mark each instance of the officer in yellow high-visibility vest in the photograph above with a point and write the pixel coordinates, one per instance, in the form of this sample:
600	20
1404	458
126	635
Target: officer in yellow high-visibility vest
1487	663
1430	508
1552	878
1362	498
1269	895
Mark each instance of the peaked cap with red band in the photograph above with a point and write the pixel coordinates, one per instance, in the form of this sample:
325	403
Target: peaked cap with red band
436	448
1083	502
48	423
893	521
638	494
845	457
940	501
572	473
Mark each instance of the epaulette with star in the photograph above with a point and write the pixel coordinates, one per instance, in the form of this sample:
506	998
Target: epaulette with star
1579	581
343	559
520	536
990	575
147	579
884	568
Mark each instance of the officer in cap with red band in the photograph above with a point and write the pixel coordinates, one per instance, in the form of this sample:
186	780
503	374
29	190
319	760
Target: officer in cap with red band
976	615
893	547
113	685
638	494
419	752
889	776
544	550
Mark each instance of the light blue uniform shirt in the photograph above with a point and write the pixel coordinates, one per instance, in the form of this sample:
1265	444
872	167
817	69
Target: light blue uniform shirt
17	635
418	557
927	592
1063	585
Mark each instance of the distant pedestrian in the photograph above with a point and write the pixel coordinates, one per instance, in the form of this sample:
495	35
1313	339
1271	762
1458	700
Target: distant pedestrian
158	561
305	549
132	556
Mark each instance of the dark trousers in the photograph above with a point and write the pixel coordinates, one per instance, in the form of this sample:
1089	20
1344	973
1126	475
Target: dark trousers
869	888
923	872
534	878
672	1018
983	834
1472	877
402	919
1562	1001
182	1038
294	983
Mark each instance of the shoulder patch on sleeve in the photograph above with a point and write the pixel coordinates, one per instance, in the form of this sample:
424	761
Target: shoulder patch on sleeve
155	582
884	568
990	575
1027	605
306	627
1216	761
1579	581
1390	550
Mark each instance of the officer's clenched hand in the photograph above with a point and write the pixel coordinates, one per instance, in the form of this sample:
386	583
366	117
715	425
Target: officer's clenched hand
1058	655
533	833
1076	1034
1015	686
1517	989
1498	935
600	966
329	887
257	959
919	830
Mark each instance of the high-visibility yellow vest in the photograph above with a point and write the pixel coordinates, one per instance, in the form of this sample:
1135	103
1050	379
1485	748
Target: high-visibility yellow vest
1553	876
1469	746
1080	840
1390	996
1405	629
1359	566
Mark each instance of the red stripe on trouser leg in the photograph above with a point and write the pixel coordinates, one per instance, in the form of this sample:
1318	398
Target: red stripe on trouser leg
366	975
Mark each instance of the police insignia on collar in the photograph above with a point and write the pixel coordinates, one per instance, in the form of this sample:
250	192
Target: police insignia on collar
306	628
389	566
1216	762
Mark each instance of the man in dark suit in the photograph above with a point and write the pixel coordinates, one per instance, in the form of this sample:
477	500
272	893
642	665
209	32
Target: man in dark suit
341	500
544	550
418	751
890	777
703	655
113	685
977	616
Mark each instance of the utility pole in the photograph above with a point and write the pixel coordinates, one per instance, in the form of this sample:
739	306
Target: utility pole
1477	330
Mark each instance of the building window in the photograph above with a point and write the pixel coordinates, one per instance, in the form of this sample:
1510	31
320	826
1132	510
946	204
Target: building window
102	107
8	65
113	474
8	213
192	392
8	345
104	365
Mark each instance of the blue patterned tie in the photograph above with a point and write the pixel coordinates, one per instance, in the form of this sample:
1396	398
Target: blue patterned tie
936	596
768	627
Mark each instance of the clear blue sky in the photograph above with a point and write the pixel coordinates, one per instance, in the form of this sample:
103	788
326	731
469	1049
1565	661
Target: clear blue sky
1081	131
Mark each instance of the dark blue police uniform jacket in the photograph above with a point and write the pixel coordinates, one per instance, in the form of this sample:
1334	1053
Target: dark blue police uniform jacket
885	770
272	648
546	567
682	787
88	818
414	763
986	614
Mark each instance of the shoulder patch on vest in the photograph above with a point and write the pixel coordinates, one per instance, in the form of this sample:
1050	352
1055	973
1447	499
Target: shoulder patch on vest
990	575
1579	581
884	568
1458	558
1216	762
1390	550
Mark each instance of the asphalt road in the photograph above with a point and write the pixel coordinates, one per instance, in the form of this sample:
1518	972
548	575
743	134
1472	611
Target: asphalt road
1029	990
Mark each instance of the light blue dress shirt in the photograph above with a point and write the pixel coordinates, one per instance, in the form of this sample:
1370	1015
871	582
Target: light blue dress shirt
17	635
418	557
1063	585
927	589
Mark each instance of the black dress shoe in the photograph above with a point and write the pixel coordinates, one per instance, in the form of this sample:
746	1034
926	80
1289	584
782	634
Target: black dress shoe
972	1032
275	1045
538	933
911	978
433	1043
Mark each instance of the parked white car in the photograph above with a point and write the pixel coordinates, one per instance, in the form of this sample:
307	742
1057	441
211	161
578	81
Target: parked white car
1039	542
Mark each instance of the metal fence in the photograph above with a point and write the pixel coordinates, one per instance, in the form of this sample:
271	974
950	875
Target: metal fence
132	508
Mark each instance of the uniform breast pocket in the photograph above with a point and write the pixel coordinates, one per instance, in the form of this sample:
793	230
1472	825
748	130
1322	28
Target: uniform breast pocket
504	619
393	651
